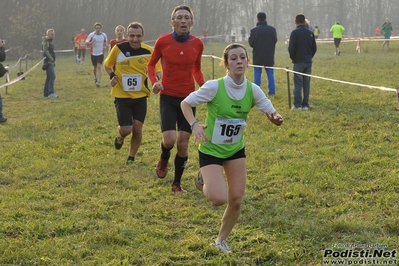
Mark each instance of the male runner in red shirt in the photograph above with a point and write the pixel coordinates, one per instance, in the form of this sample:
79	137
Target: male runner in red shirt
180	54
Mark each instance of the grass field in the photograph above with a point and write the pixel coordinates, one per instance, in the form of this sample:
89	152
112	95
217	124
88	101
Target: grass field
325	179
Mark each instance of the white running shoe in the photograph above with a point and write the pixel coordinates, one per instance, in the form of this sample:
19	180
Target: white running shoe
296	108
53	95
222	246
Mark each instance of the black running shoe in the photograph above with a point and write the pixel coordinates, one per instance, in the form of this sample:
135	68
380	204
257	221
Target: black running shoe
118	143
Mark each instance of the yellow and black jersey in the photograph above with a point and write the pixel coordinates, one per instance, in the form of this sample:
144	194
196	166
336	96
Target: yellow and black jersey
130	67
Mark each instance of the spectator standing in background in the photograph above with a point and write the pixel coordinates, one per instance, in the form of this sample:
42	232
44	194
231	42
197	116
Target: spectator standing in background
302	48
263	39
233	37
243	33
205	33
316	32
49	63
337	31
309	25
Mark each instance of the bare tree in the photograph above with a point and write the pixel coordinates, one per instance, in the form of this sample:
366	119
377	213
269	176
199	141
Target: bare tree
25	21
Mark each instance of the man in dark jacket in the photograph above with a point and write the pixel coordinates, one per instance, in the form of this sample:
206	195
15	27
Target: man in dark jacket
2	59
49	63
302	48
263	39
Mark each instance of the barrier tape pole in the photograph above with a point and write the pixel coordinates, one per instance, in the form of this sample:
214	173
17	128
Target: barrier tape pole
213	67
397	93
7	77
288	88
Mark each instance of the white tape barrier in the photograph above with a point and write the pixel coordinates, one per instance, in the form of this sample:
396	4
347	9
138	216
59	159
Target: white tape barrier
16	64
22	76
355	39
277	68
343	82
9	49
21	58
318	77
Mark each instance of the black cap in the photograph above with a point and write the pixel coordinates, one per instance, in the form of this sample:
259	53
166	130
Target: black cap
261	15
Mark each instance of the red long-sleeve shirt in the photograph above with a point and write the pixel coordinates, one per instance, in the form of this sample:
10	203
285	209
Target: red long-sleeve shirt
181	64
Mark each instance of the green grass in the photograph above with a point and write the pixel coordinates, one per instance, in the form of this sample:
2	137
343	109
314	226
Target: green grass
326	176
